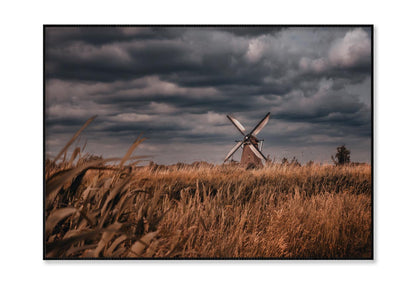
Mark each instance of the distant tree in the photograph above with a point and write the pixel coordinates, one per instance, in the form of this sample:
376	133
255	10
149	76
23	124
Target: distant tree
342	157
285	161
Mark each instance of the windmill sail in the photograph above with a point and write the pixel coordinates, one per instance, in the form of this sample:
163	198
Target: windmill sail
234	149
237	124
261	125
257	152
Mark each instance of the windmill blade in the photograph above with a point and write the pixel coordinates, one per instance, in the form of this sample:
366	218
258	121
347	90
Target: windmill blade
237	124
257	152
260	125
234	149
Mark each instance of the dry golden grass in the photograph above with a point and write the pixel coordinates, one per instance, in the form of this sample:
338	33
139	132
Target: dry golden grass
98	210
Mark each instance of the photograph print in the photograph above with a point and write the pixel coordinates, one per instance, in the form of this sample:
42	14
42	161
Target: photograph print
208	142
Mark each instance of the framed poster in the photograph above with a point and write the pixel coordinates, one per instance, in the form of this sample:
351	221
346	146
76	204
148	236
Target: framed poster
208	142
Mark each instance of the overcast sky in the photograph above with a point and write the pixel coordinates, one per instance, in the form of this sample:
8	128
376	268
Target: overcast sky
176	85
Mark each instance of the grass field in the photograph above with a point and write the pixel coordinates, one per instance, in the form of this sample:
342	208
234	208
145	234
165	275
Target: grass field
98	208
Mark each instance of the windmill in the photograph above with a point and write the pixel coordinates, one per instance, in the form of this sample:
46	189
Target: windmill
250	143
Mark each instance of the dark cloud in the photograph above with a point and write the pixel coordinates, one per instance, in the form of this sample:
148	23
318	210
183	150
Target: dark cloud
177	84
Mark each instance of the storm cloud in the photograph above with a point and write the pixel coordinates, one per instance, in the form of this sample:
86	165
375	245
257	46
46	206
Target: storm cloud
176	85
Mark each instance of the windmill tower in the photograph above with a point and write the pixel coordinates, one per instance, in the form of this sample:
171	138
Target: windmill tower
252	154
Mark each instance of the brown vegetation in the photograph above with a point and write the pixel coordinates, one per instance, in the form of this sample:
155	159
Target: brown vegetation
110	208
205	211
